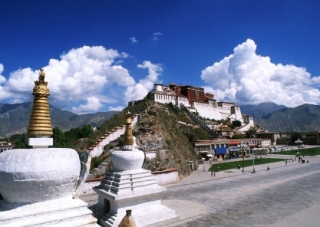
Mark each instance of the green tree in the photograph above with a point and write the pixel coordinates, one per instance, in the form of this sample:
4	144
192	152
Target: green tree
250	133
295	136
173	107
238	136
59	138
19	140
236	123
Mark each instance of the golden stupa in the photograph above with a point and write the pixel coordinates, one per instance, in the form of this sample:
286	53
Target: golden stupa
40	120
128	140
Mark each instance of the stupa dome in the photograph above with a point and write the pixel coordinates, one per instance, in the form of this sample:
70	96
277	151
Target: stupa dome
29	175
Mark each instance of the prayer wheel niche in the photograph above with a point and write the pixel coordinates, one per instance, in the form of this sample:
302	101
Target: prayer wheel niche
40	120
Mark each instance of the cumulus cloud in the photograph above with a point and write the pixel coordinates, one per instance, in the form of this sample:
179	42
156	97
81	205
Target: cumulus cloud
93	105
2	78
133	40
86	74
116	108
140	89
245	77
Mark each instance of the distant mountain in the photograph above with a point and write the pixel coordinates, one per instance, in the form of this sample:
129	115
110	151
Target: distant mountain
14	118
260	110
284	119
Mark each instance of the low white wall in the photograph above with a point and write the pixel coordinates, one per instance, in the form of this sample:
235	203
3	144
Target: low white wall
87	187
151	155
166	177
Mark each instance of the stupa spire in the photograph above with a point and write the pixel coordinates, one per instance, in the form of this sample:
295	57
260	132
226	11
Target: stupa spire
40	120
128	138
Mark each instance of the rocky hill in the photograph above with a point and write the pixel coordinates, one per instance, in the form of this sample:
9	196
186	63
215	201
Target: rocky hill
164	129
284	119
14	118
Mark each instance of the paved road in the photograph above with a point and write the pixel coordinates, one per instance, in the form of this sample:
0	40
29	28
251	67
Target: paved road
286	196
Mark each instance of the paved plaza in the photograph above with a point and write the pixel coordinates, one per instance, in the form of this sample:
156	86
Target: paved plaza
286	195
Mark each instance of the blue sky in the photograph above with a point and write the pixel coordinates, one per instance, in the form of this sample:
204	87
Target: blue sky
100	54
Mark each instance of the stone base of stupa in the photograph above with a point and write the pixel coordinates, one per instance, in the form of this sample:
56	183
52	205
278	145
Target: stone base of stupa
135	190
64	212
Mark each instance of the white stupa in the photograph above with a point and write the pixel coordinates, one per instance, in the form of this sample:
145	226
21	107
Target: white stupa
37	184
129	187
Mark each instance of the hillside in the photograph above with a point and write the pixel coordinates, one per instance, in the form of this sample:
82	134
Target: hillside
260	110
158	130
299	119
14	118
284	119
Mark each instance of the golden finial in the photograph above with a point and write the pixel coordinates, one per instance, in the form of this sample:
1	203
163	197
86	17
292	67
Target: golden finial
42	75
128	140
40	120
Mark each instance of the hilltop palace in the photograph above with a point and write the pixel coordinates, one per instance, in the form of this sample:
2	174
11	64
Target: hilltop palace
195	100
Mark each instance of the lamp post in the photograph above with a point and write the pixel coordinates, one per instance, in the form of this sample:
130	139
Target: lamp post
243	149
298	142
253	170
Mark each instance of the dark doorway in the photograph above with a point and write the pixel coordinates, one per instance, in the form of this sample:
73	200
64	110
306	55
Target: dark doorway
106	206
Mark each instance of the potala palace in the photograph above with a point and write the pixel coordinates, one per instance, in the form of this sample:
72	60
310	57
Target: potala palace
197	101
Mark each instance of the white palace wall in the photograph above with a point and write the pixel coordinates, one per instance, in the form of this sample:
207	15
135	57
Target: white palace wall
207	110
164	99
238	115
182	101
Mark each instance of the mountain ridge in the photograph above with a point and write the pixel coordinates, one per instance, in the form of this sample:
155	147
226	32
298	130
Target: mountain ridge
14	118
279	118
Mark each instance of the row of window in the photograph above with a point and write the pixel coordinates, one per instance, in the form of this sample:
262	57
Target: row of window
169	97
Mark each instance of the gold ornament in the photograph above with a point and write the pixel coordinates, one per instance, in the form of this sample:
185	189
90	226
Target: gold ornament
40	120
128	138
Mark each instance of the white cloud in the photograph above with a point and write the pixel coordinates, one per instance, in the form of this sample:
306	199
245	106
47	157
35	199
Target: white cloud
2	78
78	75
156	36
116	108
133	40
93	105
83	80
140	89
157	33
247	78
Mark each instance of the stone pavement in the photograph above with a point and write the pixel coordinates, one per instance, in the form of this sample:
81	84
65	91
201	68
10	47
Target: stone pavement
286	195
200	176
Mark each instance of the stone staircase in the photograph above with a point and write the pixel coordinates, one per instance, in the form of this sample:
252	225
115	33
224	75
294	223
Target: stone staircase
73	214
109	137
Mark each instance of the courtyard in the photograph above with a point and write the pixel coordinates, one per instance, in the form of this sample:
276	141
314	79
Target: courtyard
286	195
